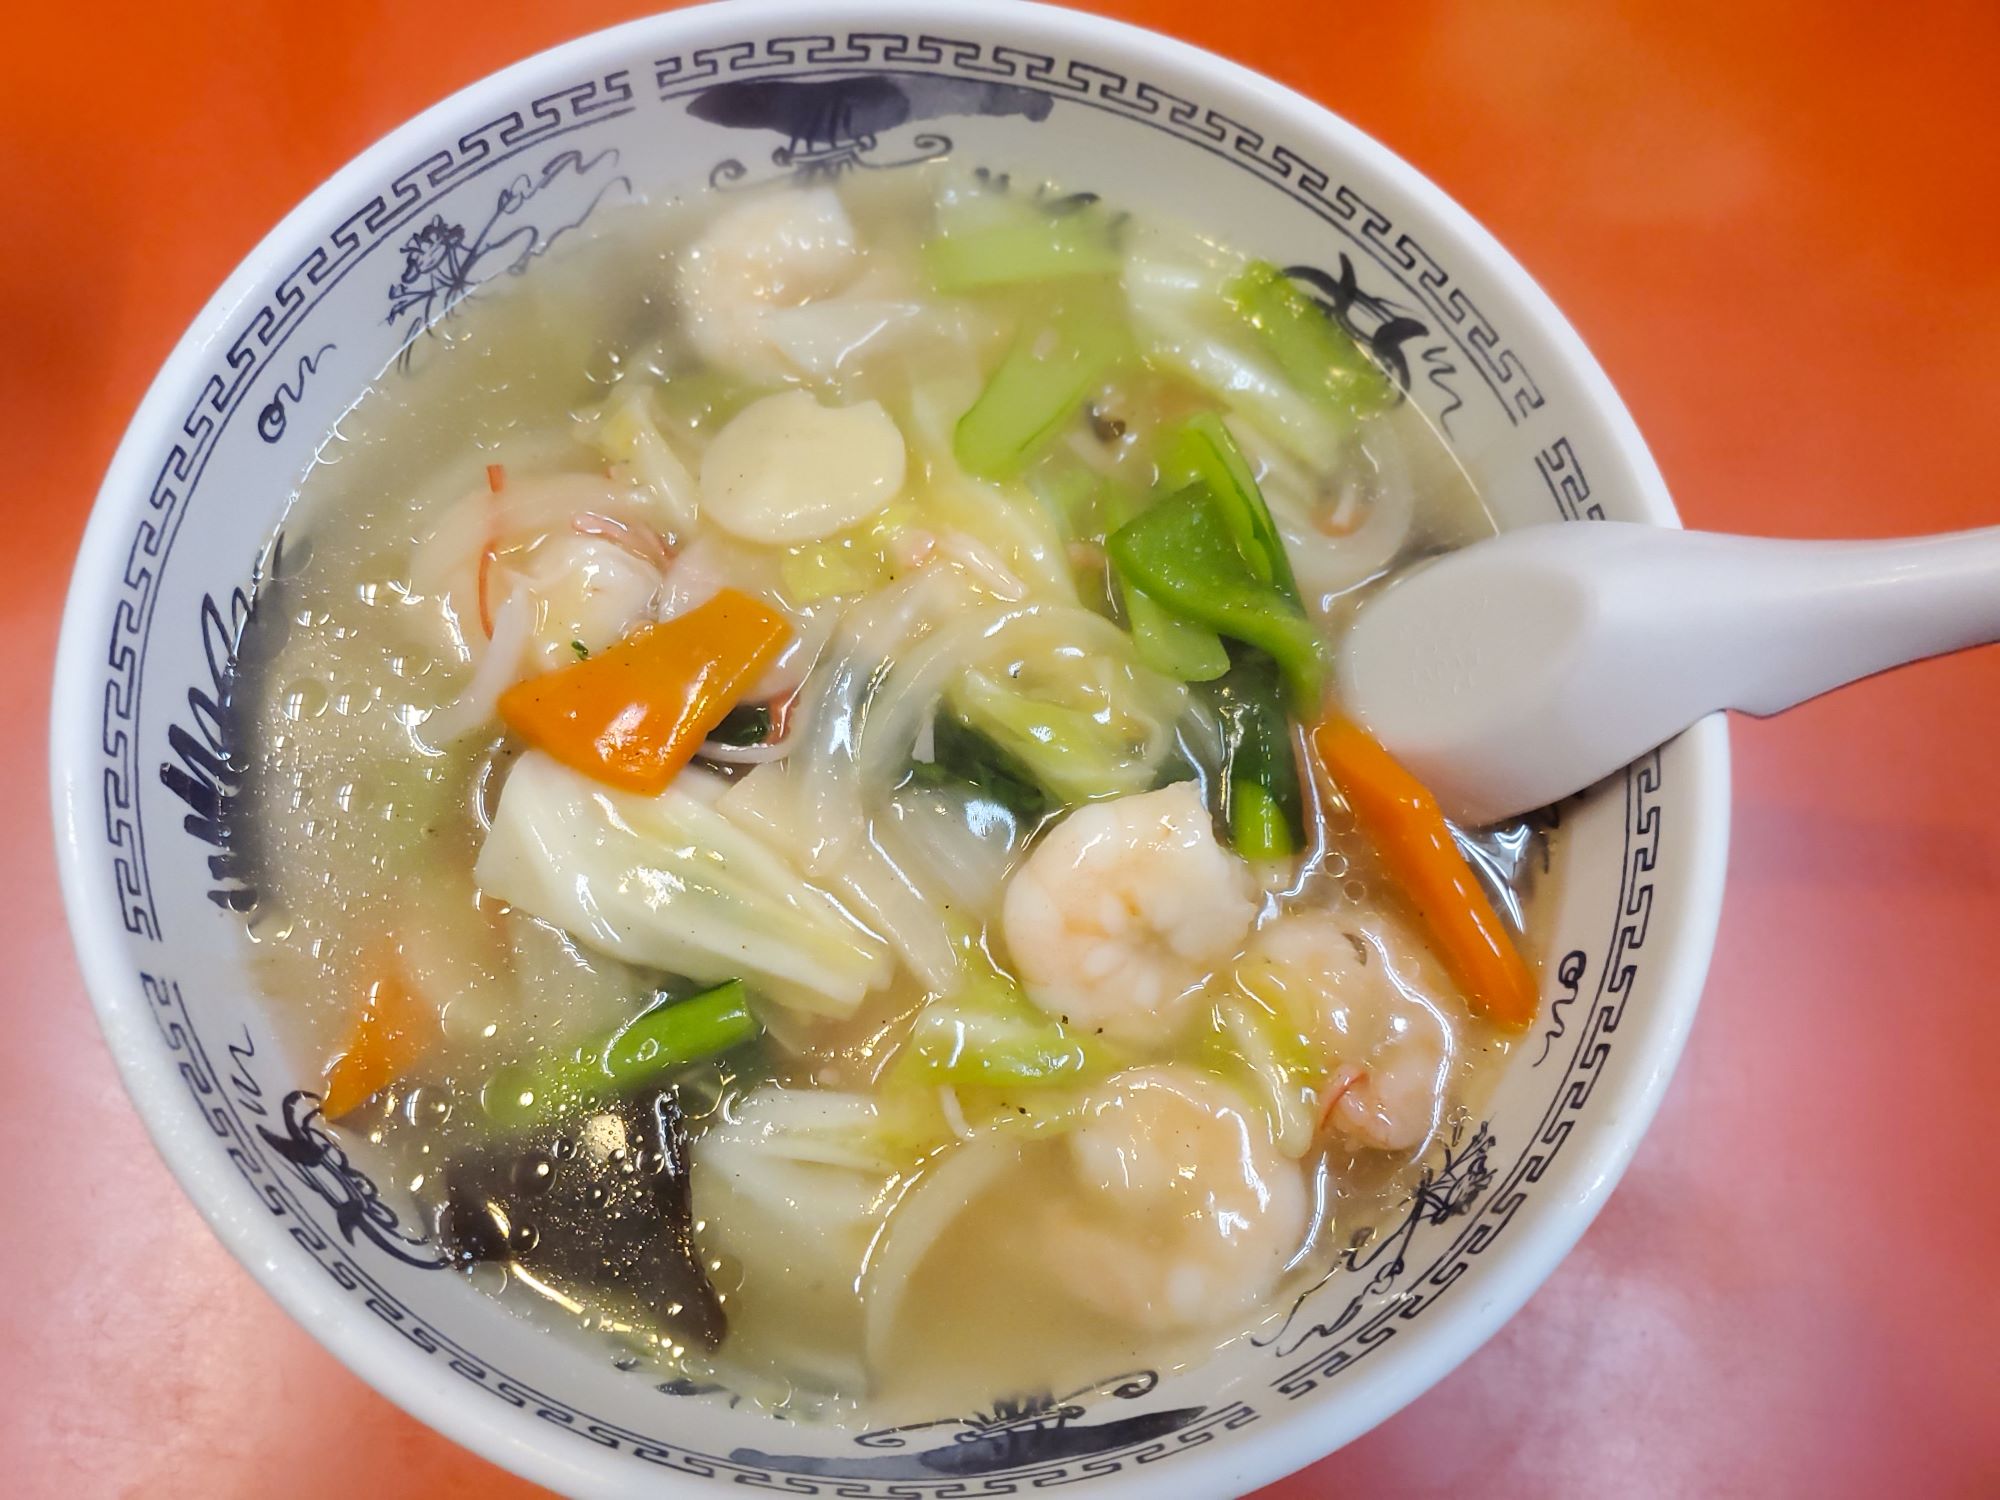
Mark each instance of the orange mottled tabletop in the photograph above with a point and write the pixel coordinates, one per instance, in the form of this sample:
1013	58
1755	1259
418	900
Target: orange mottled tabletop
1775	224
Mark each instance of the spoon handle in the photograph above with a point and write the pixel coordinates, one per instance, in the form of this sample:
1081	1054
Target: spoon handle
1779	622
1520	669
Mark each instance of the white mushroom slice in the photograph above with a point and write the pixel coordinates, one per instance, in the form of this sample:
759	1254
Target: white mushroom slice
787	469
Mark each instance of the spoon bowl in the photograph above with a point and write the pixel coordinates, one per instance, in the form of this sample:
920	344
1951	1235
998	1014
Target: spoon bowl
1514	672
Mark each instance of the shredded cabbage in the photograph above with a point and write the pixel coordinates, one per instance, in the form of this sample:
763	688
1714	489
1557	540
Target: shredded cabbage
1184	323
1259	1049
989	1037
624	431
790	1188
878	883
669	882
1085	726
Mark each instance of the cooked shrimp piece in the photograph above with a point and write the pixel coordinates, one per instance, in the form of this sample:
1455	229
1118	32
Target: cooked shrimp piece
766	255
584	554
787	469
1355	989
1123	909
1185	1215
588	592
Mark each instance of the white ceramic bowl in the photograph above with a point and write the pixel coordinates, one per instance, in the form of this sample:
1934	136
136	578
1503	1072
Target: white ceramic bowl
142	745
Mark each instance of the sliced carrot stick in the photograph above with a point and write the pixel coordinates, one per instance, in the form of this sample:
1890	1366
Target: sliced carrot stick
1401	818
392	1030
633	715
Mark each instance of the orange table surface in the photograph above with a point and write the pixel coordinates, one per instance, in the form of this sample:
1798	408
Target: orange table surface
1775	224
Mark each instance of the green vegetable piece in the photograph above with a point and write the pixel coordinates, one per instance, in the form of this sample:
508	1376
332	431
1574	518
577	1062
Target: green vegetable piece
988	1035
663	1039
677	1033
1039	387
1256	825
1181	552
1038	248
1071	752
1314	352
1201	450
1169	644
1162	640
745	724
1263	803
961	755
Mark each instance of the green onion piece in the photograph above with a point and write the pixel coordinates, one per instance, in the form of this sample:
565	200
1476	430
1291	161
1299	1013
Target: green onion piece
665	1038
1201	449
1256	826
1263	803
1038	388
1181	552
1314	352
1036	249
680	1032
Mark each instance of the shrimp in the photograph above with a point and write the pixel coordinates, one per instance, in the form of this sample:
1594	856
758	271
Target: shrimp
1123	910
588	592
582	551
1375	1015
1185	1215
767	255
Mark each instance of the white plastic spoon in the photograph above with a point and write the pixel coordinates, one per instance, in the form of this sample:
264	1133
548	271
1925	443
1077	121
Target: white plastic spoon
1520	669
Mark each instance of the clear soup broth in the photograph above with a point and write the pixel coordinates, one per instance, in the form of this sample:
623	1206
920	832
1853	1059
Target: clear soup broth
785	801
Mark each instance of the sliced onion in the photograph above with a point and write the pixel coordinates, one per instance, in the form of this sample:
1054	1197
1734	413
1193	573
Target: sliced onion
747	755
981	562
861	740
785	676
901	913
919	1220
692	581
1376	486
498	668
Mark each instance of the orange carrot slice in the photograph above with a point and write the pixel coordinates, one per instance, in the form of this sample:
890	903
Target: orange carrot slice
392	1030
1401	818
633	715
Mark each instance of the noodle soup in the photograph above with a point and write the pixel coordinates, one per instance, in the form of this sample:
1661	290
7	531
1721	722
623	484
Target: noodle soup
800	803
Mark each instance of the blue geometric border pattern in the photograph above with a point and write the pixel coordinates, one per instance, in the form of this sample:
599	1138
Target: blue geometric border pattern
264	333
224	1111
1567	1101
1563	474
1396	251
229	1099
225	1096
